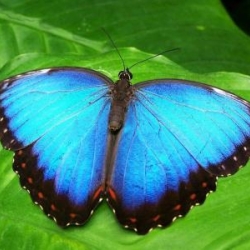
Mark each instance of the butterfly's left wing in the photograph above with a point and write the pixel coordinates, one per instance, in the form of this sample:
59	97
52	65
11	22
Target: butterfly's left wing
177	138
56	122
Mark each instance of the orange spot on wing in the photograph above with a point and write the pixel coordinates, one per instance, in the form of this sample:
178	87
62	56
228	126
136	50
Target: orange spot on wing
30	180
72	215
177	207
156	218
23	165
112	194
204	184
132	219
53	207
97	193
19	152
40	195
192	196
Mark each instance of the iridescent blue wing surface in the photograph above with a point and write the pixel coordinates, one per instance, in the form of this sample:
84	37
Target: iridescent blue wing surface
177	138
56	121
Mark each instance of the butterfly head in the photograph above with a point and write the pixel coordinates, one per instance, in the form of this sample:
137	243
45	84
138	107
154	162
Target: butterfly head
125	74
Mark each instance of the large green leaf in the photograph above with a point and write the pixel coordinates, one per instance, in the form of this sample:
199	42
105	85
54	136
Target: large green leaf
42	33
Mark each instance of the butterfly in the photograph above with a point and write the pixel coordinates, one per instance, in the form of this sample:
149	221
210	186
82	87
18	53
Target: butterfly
153	150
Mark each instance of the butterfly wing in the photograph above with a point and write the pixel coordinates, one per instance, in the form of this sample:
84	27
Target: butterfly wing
56	122
177	138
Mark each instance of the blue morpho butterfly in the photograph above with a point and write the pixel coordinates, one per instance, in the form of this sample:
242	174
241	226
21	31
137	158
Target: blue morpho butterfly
152	150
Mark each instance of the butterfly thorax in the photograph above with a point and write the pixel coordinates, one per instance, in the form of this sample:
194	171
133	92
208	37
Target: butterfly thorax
121	94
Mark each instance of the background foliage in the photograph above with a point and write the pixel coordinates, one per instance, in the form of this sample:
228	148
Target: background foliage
46	33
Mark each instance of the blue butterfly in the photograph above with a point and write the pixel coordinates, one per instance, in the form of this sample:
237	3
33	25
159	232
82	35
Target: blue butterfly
153	150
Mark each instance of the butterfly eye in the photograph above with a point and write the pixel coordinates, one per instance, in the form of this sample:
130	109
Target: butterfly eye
125	74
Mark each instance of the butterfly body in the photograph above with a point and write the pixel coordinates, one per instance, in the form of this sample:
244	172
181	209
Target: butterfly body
121	94
153	150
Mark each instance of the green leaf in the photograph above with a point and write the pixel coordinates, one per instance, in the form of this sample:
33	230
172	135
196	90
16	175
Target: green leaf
39	34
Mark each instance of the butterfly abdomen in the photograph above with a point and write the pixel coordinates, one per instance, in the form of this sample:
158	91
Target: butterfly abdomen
121	94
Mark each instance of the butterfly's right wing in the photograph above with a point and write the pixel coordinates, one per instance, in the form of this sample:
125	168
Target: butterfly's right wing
177	138
56	122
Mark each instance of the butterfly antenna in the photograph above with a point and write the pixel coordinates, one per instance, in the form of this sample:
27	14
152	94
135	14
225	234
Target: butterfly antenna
151	57
113	43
